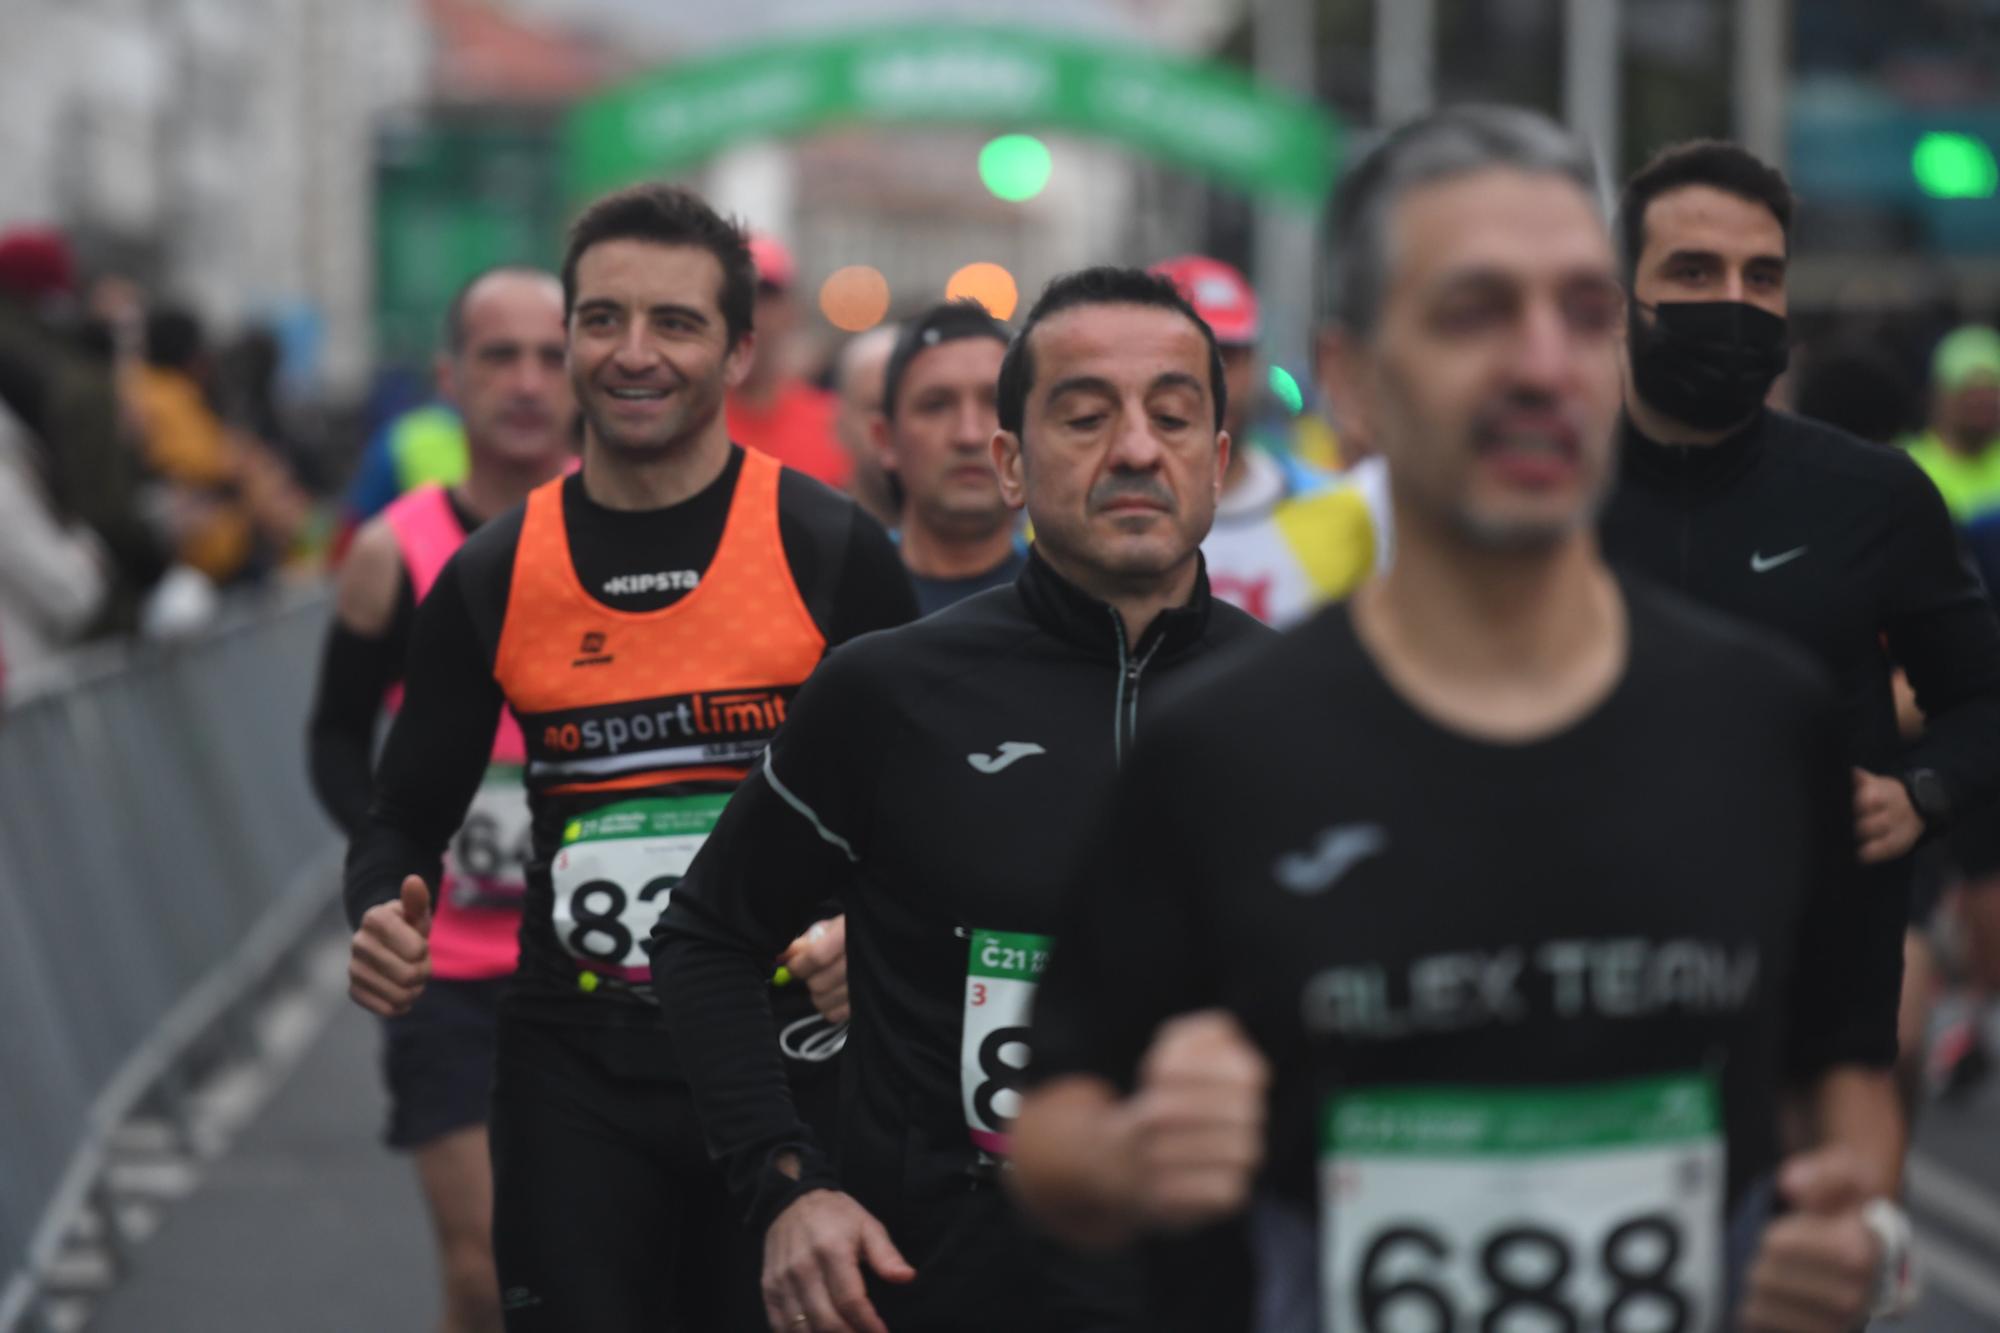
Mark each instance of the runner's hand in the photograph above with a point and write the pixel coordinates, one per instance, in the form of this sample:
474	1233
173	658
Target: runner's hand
391	956
1816	1268
812	1266
1886	824
819	958
1196	1123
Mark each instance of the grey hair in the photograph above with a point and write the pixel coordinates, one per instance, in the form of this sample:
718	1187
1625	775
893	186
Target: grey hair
1455	141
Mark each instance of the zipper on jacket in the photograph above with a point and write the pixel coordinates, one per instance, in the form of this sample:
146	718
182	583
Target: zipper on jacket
1125	711
1118	707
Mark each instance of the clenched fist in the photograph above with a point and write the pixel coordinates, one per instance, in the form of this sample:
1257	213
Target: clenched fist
1195	1127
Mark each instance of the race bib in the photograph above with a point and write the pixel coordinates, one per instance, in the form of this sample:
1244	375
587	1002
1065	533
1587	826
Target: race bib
1000	975
487	863
1523	1210
615	871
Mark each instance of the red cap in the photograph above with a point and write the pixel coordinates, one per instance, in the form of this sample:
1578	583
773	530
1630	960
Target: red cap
1218	293
36	262
774	262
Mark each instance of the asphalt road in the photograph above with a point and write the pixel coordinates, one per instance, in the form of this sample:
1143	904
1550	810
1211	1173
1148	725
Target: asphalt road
307	1225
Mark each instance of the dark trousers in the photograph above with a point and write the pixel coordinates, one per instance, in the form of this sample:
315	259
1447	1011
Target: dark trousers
608	1214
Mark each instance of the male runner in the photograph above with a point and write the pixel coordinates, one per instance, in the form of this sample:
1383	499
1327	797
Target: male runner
934	435
1286	538
857	382
1515	889
1961	451
931	779
1961	455
772	409
1842	546
502	368
648	621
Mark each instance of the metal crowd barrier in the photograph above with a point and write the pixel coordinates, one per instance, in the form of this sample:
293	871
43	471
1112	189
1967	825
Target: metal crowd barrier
160	852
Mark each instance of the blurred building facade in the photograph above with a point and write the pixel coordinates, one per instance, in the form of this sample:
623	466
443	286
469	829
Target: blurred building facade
219	150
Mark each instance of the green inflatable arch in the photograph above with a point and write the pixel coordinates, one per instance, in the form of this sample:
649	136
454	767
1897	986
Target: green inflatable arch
1203	116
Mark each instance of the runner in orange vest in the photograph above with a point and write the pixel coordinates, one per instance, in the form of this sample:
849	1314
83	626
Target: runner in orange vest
648	621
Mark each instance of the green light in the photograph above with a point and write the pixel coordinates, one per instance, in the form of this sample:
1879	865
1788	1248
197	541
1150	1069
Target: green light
1015	167
1948	165
1287	390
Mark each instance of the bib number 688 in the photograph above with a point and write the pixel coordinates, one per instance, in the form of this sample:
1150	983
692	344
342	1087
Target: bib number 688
1526	1268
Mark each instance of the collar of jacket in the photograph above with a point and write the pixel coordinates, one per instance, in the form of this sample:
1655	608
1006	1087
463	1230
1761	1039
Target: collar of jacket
1698	468
1071	614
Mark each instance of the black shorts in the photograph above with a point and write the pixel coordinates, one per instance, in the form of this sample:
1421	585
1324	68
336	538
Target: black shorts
1968	854
438	1061
1931	876
608	1214
1975	844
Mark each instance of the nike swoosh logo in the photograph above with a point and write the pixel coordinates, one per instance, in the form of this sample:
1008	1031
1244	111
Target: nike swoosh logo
1338	851
1762	564
1011	752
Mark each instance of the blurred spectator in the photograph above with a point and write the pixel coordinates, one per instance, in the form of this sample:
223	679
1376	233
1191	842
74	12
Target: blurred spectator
54	575
65	400
232	503
858	382
1961	451
188	449
248	389
772	409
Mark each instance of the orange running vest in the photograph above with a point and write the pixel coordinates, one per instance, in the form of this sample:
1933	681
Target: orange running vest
638	723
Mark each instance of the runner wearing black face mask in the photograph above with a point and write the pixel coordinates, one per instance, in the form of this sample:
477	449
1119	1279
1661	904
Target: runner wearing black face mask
1843	545
1707	363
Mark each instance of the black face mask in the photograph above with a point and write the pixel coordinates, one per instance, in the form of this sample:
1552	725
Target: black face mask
1706	364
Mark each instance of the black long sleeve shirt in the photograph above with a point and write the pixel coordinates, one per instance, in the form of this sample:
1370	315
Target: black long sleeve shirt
1844	547
935	780
356	674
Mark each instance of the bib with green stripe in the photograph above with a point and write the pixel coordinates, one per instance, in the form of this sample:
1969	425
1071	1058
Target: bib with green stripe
1568	1208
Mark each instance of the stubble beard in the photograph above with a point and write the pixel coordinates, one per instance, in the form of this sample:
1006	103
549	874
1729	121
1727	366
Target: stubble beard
674	435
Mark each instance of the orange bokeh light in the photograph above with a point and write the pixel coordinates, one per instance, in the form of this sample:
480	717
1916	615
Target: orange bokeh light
854	298
989	284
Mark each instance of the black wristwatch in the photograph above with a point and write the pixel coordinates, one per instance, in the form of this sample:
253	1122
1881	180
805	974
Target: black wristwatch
1928	795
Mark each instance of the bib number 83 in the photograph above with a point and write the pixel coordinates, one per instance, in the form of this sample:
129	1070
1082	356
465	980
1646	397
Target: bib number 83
1525	1268
597	908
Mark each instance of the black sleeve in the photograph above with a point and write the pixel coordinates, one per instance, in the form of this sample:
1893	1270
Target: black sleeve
1984	541
873	589
1943	631
436	754
1847	976
790	838
1130	954
355	673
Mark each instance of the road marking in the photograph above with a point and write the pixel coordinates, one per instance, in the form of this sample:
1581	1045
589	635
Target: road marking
1967	1277
1937	1189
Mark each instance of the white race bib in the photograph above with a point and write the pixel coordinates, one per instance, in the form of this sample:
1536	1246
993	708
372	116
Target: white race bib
617	867
1523	1210
487	863
1001	972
